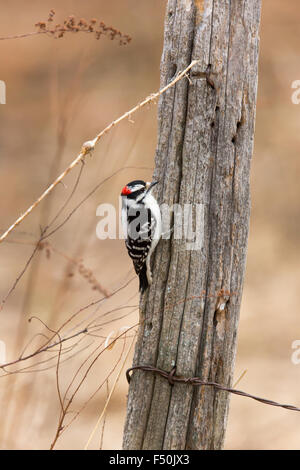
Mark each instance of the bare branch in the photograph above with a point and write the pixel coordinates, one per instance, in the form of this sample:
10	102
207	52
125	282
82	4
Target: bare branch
90	145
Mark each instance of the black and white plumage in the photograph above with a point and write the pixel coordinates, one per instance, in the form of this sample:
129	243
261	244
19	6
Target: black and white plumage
142	226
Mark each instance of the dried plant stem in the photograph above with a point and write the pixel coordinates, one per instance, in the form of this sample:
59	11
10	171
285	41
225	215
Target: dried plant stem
104	419
110	395
90	145
21	36
240	378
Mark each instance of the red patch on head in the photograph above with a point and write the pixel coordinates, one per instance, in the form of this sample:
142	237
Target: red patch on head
126	191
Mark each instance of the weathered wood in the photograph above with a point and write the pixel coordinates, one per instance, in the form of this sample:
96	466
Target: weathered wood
205	143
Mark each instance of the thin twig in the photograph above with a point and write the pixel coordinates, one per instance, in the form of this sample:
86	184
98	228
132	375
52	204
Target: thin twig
61	427
109	396
104	419
90	145
20	36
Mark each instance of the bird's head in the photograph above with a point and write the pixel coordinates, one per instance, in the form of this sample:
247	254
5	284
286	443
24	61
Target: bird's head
137	189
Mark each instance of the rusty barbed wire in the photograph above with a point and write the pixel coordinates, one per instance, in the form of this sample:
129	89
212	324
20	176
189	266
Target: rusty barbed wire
197	381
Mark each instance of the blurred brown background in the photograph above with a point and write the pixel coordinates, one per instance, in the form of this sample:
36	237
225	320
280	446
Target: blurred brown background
61	93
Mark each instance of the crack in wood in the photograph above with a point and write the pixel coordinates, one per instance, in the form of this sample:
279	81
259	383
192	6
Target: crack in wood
203	154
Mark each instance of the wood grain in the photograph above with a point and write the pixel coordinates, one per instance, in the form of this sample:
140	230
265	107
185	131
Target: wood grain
205	144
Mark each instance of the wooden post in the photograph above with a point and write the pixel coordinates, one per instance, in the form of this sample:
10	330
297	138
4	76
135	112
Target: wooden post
205	142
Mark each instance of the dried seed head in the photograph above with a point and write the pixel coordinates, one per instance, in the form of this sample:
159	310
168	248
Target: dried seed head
70	24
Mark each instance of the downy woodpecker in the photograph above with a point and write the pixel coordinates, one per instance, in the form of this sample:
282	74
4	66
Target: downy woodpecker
142	226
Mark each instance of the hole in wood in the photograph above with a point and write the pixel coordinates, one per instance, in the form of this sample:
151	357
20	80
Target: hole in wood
173	70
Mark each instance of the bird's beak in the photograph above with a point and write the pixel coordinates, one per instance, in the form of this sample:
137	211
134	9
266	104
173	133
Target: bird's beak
149	186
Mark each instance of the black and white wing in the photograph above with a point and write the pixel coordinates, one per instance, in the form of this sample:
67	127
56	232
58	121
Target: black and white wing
138	251
139	245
